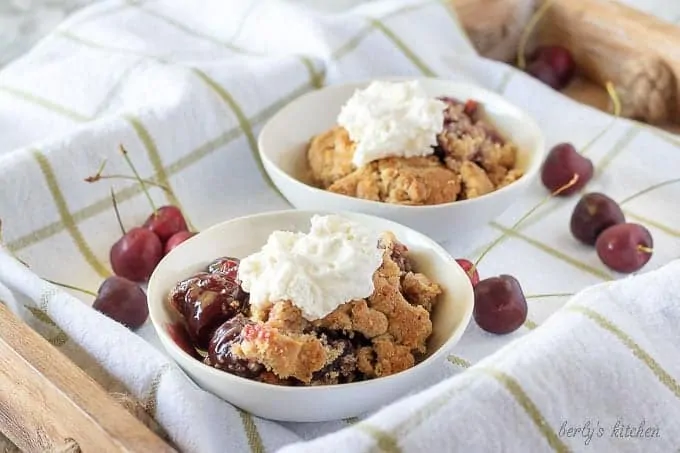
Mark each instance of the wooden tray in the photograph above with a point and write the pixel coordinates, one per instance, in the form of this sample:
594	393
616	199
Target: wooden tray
638	53
47	404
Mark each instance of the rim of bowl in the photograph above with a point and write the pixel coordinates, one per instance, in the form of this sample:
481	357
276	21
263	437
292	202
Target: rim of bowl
535	156
453	338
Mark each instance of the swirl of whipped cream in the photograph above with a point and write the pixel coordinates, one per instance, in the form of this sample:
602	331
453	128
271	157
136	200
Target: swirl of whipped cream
317	271
392	119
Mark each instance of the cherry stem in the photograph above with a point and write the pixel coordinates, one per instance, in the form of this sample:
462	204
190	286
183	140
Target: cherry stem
540	296
139	178
148	182
614	97
649	189
645	249
611	91
99	176
573	181
115	208
524	39
74	288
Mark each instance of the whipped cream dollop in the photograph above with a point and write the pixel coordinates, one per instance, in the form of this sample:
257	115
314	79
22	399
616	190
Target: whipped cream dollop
316	271
392	119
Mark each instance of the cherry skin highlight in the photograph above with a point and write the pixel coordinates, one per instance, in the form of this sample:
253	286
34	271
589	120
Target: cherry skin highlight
562	163
135	255
176	239
165	222
594	213
122	300
467	265
625	247
206	301
500	305
228	266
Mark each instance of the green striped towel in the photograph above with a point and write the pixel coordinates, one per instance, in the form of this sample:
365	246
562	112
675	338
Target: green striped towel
187	86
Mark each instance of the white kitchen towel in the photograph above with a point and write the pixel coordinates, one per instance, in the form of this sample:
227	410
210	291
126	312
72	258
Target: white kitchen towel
186	88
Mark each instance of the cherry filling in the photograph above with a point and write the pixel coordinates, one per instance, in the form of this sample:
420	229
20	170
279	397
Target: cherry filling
227	266
220	353
206	301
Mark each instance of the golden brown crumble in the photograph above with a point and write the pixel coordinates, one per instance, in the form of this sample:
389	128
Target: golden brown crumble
420	290
355	316
394	322
471	160
330	156
285	354
411	181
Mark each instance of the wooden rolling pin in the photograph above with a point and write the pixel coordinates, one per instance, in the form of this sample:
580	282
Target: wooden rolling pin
638	53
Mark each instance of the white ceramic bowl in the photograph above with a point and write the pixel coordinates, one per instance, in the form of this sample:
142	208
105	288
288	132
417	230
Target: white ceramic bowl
285	137
243	236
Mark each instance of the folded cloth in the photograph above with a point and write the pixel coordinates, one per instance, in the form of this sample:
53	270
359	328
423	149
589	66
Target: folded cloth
186	89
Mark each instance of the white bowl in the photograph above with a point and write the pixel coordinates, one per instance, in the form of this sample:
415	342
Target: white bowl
243	236
284	139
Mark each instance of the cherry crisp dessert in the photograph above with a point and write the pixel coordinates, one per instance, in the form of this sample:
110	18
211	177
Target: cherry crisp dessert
471	159
363	339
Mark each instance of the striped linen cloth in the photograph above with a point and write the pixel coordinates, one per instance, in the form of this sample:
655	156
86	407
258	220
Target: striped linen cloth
186	89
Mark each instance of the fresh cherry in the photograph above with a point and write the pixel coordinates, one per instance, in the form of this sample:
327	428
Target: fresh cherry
176	239
122	300
542	71
166	222
625	247
467	265
560	61
135	255
561	165
228	266
594	213
500	305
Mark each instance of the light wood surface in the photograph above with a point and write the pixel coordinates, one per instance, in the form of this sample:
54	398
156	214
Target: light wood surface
46	401
638	53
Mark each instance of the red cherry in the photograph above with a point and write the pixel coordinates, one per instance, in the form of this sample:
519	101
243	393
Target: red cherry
467	265
562	163
545	73
122	300
560	60
176	239
625	247
135	255
594	213
165	222
500	305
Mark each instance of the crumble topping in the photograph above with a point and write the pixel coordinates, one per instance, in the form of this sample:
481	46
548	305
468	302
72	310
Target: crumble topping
470	159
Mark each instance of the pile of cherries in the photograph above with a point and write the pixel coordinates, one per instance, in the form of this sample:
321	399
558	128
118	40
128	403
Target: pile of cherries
137	253
552	65
597	220
133	259
135	256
